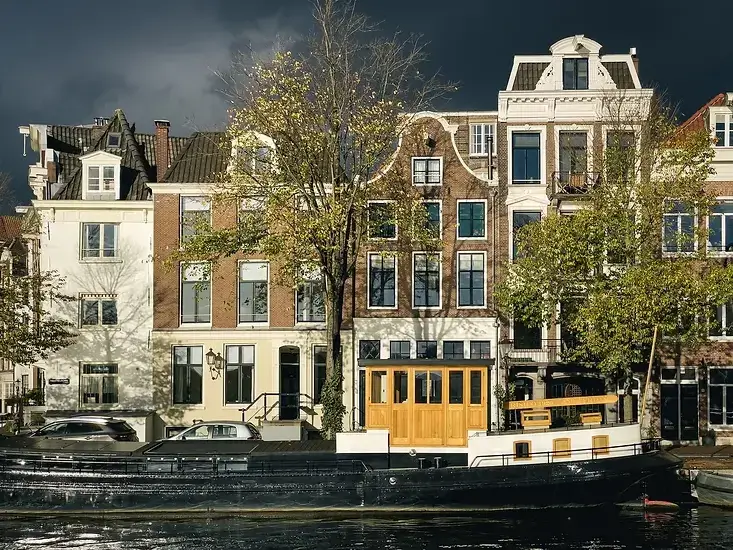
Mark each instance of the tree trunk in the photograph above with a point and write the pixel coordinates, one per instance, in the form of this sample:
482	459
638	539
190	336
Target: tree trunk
332	394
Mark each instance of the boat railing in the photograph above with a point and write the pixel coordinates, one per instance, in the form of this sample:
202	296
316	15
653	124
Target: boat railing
591	453
105	466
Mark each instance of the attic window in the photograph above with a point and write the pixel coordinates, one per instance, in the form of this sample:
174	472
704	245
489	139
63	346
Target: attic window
113	140
104	183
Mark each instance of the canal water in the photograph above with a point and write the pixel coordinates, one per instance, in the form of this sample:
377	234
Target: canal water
691	529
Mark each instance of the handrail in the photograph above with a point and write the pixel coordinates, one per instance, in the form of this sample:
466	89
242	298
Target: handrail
264	395
644	446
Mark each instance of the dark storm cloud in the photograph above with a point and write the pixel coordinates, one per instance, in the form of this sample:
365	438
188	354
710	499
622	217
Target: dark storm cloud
68	62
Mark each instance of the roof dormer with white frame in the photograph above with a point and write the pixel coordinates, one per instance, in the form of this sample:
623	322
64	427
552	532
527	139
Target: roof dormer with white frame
100	176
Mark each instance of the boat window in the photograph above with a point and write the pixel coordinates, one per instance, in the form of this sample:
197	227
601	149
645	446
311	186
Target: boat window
475	387
600	444
522	449
379	386
421	387
561	447
436	387
455	387
400	386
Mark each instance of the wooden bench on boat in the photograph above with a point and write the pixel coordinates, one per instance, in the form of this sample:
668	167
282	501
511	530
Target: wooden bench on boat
536	419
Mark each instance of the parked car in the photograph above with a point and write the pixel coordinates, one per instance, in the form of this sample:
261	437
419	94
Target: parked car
218	430
87	428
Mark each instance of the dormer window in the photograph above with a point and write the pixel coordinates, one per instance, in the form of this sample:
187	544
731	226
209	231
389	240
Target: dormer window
107	179
724	130
100	176
113	140
575	73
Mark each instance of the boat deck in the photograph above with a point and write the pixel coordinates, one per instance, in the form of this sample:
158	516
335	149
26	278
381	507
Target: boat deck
705	457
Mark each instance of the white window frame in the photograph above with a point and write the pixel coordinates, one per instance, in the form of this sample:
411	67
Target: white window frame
727	117
202	201
396	229
475	151
542	130
200	277
253	324
440	213
426	183
100	298
695	233
100	257
589	141
458	281
530	208
98	380
727	325
311	277
486	220
709	385
439	254
711	251
104	182
369	282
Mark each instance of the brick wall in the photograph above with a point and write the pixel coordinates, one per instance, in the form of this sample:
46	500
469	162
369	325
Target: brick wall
458	183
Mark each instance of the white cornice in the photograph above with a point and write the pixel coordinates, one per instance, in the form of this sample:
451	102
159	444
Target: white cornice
180	188
92	205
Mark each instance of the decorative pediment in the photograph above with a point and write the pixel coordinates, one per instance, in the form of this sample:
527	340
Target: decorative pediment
576	45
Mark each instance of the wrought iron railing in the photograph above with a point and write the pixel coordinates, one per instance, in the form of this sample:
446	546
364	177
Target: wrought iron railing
271	401
573	183
540	351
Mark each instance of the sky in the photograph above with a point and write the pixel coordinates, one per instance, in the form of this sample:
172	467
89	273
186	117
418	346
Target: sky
68	62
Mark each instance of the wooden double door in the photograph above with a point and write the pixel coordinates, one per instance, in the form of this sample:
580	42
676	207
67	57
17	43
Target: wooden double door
427	406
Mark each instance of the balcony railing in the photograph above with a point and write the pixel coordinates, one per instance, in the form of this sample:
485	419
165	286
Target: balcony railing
573	184
544	351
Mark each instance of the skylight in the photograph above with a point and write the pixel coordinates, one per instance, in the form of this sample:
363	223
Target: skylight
113	140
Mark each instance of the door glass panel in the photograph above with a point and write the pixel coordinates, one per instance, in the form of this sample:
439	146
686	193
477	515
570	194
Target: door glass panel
669	411
455	387
379	386
400	386
436	387
421	387
689	410
475	387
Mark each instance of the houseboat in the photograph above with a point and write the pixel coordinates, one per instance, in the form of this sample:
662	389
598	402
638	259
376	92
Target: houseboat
426	446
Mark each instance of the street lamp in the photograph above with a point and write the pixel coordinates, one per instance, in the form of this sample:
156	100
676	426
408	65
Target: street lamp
215	362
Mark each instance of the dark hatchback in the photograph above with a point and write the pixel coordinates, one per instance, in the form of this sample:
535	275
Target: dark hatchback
96	428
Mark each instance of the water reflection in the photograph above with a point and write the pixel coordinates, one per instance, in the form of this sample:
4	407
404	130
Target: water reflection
597	529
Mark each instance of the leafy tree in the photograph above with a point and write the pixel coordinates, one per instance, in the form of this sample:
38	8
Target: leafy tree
29	331
314	140
625	263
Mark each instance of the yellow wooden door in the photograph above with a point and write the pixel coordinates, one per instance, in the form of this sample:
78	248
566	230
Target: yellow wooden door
399	430
428	420
377	399
477	403
455	425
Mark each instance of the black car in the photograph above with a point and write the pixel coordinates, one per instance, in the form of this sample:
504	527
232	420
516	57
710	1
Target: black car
87	428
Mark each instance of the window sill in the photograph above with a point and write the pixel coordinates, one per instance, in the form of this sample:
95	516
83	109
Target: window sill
427	308
529	183
115	260
191	407
484	238
99	327
382	239
253	326
194	326
720	338
481	155
382	308
427	184
472	307
310	325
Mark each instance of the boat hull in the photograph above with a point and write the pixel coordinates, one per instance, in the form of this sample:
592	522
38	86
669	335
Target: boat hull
581	483
714	489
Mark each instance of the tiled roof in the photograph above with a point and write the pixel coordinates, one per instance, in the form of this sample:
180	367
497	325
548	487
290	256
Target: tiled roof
137	151
204	156
698	121
619	71
527	76
10	228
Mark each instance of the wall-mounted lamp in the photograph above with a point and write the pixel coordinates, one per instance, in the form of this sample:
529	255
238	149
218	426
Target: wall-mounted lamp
542	373
215	362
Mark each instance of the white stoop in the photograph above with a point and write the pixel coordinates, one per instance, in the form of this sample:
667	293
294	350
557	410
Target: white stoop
283	430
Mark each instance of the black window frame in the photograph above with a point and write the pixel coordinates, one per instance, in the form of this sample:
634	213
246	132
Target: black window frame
481	345
454	349
239	369
379	272
187	369
426	349
319	371
399	349
369	349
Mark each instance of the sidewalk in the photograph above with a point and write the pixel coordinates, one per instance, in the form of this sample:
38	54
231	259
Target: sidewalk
700	457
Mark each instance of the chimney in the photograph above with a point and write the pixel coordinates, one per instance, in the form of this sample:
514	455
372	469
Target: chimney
51	171
162	156
635	59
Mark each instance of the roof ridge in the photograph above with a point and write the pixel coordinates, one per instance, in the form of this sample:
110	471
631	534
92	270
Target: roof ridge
140	161
700	112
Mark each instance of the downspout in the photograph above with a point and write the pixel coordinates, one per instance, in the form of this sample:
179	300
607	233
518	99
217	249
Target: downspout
354	347
496	409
